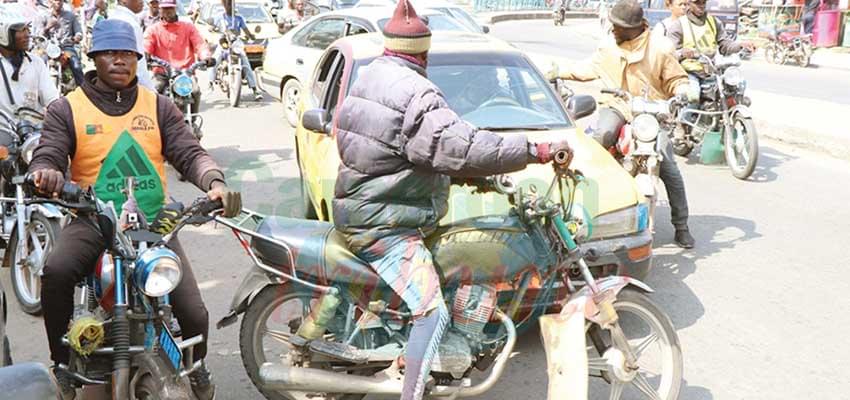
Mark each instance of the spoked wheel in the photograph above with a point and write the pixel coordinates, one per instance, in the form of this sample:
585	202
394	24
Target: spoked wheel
741	147
272	317
28	257
657	372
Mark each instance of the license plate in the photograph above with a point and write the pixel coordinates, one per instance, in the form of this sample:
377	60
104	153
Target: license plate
254	48
168	348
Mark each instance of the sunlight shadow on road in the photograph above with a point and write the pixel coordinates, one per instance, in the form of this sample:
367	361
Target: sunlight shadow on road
768	159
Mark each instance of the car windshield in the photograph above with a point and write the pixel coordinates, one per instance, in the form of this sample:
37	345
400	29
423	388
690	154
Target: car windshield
494	91
252	12
461	16
437	22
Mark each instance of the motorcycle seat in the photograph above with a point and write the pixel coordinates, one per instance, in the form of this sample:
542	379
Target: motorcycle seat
320	252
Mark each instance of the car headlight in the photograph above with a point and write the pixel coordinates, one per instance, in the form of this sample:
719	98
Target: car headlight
238	47
53	51
182	85
157	271
645	128
620	223
29	146
732	76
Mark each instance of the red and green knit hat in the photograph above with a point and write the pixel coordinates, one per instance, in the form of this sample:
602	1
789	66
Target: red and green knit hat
405	32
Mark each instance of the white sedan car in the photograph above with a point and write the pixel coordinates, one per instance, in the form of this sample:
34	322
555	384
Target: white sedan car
290	59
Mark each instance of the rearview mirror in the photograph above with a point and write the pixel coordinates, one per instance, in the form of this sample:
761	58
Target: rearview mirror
316	120
580	106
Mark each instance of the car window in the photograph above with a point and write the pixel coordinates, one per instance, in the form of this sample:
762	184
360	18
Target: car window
321	34
356	29
254	13
320	80
437	22
334	83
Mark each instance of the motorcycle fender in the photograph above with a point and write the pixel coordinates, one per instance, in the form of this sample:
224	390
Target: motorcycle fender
744	111
612	284
646	185
48	210
254	281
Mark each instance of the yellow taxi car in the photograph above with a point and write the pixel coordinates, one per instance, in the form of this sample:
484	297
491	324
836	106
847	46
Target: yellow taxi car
493	86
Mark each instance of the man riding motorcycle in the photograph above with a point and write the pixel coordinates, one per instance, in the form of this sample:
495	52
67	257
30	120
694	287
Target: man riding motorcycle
230	21
698	33
637	62
178	43
26	80
63	25
109	128
152	16
399	143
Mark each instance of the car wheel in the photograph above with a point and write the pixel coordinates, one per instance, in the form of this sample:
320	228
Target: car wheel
289	97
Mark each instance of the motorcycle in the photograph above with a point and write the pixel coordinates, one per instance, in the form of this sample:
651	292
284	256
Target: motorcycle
121	336
230	69
723	106
179	90
320	323
29	232
58	62
784	45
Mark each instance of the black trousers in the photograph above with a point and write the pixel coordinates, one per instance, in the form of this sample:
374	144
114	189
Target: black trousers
607	131
73	258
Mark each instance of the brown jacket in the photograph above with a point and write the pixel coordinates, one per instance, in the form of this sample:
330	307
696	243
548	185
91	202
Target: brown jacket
643	63
180	148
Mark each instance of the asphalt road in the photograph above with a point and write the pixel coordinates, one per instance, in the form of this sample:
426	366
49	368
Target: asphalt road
760	304
578	38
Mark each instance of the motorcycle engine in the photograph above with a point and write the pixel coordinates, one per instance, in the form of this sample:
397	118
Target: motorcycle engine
473	307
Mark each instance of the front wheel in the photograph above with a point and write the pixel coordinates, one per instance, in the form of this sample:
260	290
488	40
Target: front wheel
235	79
291	92
656	372
28	257
741	146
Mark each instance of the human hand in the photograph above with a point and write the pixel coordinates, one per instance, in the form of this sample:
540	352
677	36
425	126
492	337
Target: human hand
546	151
749	46
232	201
689	53
49	181
553	73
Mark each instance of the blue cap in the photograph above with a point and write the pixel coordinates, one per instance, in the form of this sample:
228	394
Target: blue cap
113	34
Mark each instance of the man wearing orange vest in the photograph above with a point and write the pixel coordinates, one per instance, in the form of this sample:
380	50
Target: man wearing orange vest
111	128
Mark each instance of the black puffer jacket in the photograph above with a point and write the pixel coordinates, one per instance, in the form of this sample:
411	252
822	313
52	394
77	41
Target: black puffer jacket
399	142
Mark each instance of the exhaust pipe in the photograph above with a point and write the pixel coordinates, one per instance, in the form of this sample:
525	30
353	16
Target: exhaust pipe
288	378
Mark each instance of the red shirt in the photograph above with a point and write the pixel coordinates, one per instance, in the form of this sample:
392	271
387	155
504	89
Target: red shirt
176	42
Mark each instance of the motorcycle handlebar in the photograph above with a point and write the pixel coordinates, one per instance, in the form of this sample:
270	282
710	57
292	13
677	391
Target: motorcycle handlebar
71	192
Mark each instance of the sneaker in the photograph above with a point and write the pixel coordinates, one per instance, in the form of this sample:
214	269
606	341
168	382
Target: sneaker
67	391
210	87
257	95
684	239
201	381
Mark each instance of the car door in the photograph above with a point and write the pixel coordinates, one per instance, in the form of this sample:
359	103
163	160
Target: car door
310	43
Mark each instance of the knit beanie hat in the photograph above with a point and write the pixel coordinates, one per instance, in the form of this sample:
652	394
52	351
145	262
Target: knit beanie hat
405	32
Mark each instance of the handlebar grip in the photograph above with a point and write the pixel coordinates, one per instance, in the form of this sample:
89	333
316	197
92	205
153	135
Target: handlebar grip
71	192
562	158
609	91
209	206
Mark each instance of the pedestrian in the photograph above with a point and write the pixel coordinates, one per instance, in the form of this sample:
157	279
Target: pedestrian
128	11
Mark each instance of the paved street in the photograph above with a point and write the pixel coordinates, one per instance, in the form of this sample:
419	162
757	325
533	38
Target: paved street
760	304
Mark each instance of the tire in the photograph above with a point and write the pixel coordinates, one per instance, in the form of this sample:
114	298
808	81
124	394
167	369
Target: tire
682	149
289	97
235	85
632	302
250	332
7	353
146	389
46	229
308	211
732	144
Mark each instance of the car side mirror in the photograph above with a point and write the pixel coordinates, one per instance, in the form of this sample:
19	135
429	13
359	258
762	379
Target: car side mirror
316	120
580	106
485	29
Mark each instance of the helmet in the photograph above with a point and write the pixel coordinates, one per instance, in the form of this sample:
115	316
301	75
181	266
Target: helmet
9	24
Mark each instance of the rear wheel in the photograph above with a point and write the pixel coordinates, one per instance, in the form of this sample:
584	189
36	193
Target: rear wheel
28	257
741	147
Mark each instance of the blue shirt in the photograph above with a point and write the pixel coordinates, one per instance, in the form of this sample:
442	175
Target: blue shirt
233	23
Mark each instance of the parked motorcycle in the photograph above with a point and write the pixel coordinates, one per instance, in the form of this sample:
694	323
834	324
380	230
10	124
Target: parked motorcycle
320	321
784	45
179	90
29	232
58	62
120	337
724	107
229	72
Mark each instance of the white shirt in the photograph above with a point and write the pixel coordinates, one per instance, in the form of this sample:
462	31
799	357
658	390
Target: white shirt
33	89
122	13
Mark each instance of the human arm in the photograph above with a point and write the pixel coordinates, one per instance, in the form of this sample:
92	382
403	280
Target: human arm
77	30
182	150
725	44
676	36
199	45
47	92
244	27
56	146
673	76
150	41
581	71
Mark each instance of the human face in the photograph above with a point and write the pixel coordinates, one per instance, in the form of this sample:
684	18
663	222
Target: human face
22	38
299	5
169	14
116	68
154	7
228	7
622	35
697	8
678	8
56	6
135	6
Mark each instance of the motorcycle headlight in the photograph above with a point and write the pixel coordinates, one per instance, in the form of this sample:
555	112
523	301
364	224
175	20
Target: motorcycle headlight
732	76
157	271
182	85
53	51
238	47
620	223
29	146
645	128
